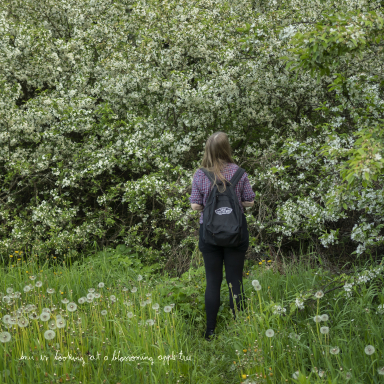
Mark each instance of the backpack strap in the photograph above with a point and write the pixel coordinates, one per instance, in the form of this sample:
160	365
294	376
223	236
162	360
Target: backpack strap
211	176
237	176
208	174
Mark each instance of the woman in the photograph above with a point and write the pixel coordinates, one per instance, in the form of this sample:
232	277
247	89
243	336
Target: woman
218	159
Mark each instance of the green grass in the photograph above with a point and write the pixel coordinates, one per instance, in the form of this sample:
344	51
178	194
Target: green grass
121	347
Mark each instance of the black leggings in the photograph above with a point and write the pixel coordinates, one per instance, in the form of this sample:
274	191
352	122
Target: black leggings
233	259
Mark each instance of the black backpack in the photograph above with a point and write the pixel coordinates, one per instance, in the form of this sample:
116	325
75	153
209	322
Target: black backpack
222	215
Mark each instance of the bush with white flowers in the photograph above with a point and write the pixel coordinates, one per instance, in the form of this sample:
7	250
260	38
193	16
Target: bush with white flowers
105	109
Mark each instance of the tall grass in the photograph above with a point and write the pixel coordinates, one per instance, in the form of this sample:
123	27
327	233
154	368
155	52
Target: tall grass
138	327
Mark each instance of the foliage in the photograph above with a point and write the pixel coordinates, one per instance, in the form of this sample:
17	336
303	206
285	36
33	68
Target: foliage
105	108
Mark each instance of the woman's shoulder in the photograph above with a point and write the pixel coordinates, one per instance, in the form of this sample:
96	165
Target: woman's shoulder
198	174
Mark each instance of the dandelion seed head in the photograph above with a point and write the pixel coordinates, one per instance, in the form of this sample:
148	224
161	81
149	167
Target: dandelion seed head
167	308
334	350
31	307
60	323
45	316
369	349
294	336
324	317
134	289
139	278
317	319
65	301
103	312
23	322
130	315
90	296
71	307
12	320
49	335
319	294
269	332
27	288
101	285
380	371
33	316
155	306
5	337
324	330
38	284
50	291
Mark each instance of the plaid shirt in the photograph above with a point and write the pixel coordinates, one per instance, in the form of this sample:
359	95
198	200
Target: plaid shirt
201	187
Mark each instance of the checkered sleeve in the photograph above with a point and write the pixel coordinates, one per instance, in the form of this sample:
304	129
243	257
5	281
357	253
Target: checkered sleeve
248	194
196	195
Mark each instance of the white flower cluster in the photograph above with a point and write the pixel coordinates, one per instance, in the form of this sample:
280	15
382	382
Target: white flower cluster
287	32
361	278
122	114
348	289
299	302
279	310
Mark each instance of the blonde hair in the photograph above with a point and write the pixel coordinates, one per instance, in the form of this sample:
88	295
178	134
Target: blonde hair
217	153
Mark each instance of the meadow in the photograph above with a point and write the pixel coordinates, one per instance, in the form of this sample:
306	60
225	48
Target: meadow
106	318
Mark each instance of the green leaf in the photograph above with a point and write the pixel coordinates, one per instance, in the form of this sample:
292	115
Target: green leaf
350	178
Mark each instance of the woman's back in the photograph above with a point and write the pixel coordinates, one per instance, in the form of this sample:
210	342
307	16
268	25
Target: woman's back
201	187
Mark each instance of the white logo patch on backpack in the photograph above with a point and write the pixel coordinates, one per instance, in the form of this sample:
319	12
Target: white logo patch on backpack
223	211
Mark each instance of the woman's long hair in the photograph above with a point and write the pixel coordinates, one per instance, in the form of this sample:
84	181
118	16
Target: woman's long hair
217	153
